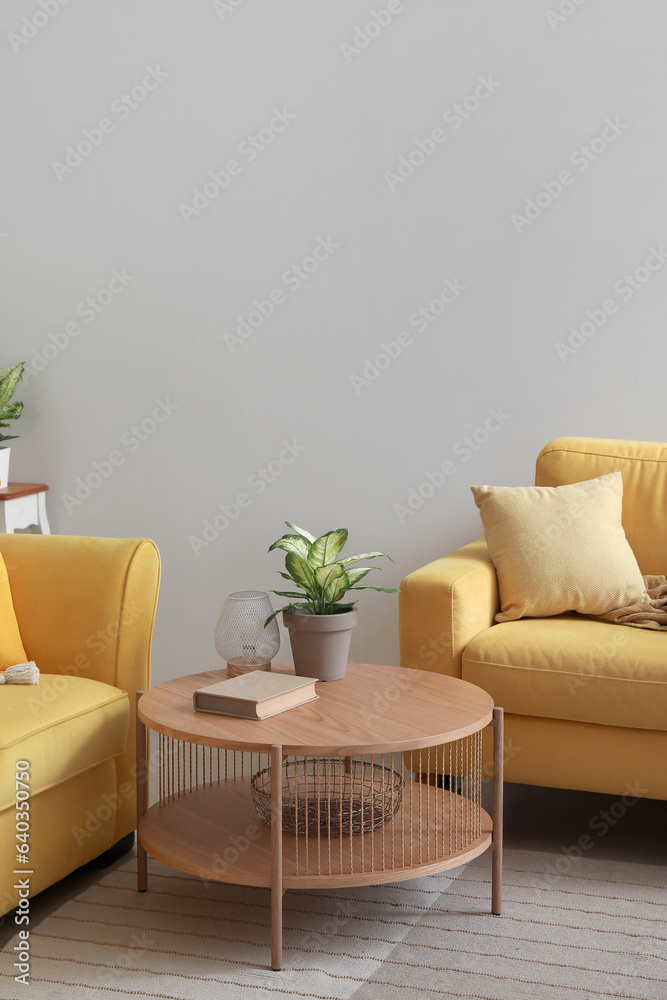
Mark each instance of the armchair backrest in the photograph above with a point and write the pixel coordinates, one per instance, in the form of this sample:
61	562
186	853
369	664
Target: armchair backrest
85	606
643	465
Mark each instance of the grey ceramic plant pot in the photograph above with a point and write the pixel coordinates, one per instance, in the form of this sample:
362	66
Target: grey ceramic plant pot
320	643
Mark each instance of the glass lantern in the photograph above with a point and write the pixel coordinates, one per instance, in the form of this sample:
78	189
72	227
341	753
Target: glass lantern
240	636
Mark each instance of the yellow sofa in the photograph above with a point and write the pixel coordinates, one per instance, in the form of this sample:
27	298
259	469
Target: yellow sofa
585	701
85	609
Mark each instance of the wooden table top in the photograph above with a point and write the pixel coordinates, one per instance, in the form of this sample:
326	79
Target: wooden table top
373	709
15	490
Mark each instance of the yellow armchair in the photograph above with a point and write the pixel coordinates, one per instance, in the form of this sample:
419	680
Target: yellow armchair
85	609
585	701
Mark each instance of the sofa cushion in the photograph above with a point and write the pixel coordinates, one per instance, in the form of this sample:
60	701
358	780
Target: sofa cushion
568	667
559	548
62	726
11	646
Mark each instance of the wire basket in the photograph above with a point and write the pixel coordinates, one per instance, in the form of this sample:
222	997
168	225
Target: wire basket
331	794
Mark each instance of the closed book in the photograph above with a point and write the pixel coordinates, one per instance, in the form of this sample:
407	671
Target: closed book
258	694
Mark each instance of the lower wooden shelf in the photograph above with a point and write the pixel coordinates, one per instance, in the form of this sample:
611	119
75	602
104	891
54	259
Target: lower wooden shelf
214	832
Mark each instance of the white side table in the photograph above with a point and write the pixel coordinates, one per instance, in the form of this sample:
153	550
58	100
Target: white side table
24	505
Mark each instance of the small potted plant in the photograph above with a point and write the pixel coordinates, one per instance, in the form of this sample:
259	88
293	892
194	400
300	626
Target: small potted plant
9	378
318	618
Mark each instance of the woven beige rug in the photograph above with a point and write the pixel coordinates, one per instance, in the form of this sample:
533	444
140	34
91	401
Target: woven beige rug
570	930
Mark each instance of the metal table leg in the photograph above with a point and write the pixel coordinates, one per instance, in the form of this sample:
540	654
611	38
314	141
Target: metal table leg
497	816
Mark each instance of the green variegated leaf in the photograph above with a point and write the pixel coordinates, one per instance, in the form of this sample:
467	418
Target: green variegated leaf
292	543
325	575
355	575
300	531
288	593
9	378
305	608
364	555
337	588
333	581
11	411
301	573
325	548
384	590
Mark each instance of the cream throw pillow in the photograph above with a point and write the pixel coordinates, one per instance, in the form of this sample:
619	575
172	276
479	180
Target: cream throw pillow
559	548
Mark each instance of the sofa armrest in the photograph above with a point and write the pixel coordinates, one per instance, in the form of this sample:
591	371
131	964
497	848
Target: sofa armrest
444	605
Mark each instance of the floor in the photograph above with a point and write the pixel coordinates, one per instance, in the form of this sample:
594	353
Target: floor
554	820
537	819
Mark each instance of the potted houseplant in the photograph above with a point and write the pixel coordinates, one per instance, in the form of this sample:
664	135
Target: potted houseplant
320	617
9	378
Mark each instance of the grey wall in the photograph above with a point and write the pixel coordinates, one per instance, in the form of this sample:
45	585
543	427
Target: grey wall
340	168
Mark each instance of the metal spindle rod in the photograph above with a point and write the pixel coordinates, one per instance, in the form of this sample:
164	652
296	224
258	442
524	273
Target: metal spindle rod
276	858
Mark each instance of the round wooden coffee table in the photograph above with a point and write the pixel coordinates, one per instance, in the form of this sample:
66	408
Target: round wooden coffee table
379	780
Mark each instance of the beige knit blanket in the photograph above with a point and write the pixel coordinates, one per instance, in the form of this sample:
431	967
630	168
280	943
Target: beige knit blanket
648	612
